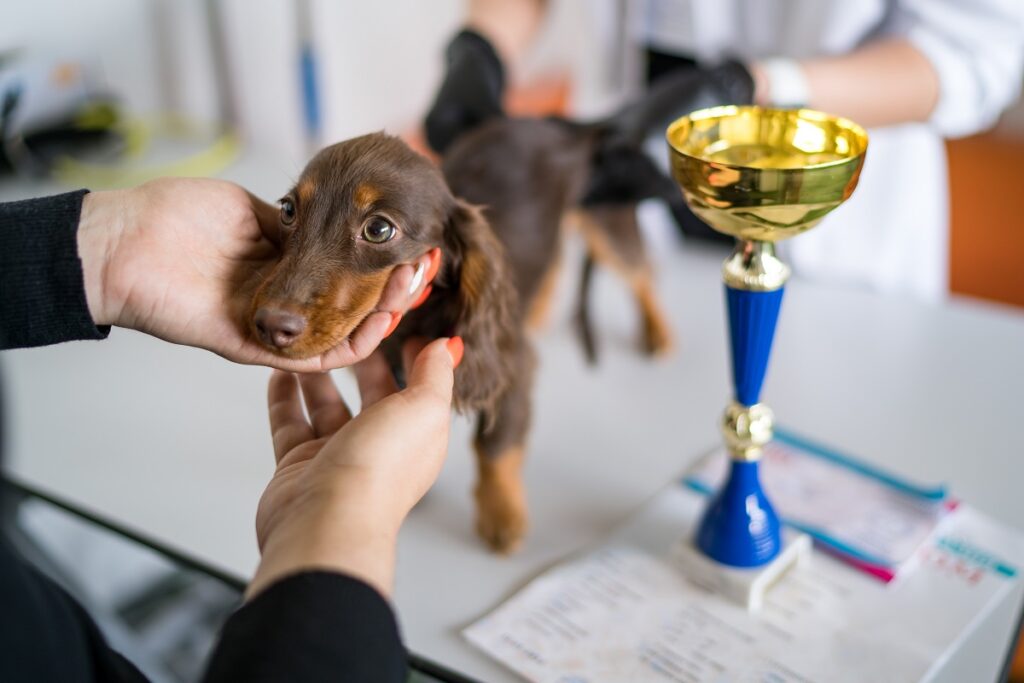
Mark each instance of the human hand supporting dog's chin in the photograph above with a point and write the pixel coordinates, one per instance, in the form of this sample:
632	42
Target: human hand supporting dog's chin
343	485
175	257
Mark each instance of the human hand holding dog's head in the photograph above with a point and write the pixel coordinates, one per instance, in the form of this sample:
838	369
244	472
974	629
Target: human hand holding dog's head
177	258
343	485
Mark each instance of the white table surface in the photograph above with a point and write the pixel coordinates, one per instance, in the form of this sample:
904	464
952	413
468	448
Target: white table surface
173	442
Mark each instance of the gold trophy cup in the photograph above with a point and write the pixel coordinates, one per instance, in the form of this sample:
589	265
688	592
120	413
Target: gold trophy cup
760	175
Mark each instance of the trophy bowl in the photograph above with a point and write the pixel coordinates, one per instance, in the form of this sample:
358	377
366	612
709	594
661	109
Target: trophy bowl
765	174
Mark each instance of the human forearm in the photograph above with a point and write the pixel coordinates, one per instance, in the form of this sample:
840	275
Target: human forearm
41	274
886	82
510	25
343	539
311	626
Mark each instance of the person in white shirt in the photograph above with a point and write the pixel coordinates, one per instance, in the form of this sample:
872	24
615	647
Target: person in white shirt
911	71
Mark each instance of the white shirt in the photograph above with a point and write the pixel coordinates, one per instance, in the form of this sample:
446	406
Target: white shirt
893	233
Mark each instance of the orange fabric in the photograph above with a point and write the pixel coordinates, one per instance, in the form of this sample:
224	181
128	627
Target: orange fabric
987	222
550	96
541	98
1017	667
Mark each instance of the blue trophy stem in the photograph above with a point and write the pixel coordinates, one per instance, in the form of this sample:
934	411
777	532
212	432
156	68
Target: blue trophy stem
740	527
752	318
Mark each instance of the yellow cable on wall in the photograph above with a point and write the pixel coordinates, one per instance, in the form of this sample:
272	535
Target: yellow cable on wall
138	135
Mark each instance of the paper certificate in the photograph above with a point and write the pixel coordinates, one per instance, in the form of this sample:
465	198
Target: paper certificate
624	613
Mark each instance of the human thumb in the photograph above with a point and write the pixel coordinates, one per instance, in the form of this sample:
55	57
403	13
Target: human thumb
434	367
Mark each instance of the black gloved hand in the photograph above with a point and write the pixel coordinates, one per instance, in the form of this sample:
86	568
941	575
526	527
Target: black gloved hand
621	172
680	92
471	92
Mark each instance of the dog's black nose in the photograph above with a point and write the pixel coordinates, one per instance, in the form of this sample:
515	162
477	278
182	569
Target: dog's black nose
278	328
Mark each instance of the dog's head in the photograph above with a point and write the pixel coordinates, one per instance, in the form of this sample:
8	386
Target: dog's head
361	208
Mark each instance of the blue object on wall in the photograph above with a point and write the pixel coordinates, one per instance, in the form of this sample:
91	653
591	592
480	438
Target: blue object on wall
740	527
752	317
310	94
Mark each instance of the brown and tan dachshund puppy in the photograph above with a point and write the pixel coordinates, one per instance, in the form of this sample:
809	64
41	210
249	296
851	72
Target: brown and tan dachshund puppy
531	176
495	209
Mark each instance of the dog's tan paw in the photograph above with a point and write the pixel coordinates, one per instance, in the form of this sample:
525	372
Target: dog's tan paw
501	519
657	337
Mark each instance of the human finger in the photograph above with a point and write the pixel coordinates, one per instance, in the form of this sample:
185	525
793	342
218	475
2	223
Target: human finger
397	293
288	426
433	266
354	348
375	379
408	282
267	217
324	405
434	368
360	344
412	348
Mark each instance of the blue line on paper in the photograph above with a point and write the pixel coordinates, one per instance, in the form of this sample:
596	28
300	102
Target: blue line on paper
963	549
930	493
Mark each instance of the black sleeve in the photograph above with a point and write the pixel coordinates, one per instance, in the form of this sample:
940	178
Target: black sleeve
45	635
310	627
42	292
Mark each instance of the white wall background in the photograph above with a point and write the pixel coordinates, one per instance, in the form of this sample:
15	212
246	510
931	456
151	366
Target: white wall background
379	63
114	33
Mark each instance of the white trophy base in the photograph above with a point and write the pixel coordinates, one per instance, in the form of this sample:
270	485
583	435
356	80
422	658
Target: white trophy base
744	586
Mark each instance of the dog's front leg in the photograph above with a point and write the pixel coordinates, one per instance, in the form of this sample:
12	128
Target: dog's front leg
500	446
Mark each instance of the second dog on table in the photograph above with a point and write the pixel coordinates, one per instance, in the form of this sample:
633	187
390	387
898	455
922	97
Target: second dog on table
366	205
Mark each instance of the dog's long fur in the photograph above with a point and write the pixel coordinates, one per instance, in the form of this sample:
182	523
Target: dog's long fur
496	209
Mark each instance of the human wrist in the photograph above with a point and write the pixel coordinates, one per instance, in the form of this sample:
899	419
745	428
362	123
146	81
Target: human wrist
780	82
99	228
337	539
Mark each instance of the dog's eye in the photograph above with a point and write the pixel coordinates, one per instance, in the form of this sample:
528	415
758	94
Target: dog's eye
379	230
287	211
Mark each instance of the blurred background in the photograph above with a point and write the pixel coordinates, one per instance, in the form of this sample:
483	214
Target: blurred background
111	92
286	76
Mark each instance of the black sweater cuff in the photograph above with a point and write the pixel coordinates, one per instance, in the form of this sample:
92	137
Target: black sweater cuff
313	626
43	289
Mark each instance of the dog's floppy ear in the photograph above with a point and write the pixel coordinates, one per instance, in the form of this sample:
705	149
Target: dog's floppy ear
481	308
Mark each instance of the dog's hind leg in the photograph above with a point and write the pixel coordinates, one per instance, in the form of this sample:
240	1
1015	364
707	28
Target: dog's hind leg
613	240
657	333
540	305
584	326
500	447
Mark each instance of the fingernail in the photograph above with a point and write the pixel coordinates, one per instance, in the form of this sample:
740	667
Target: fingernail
417	277
455	349
395	319
435	263
422	297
